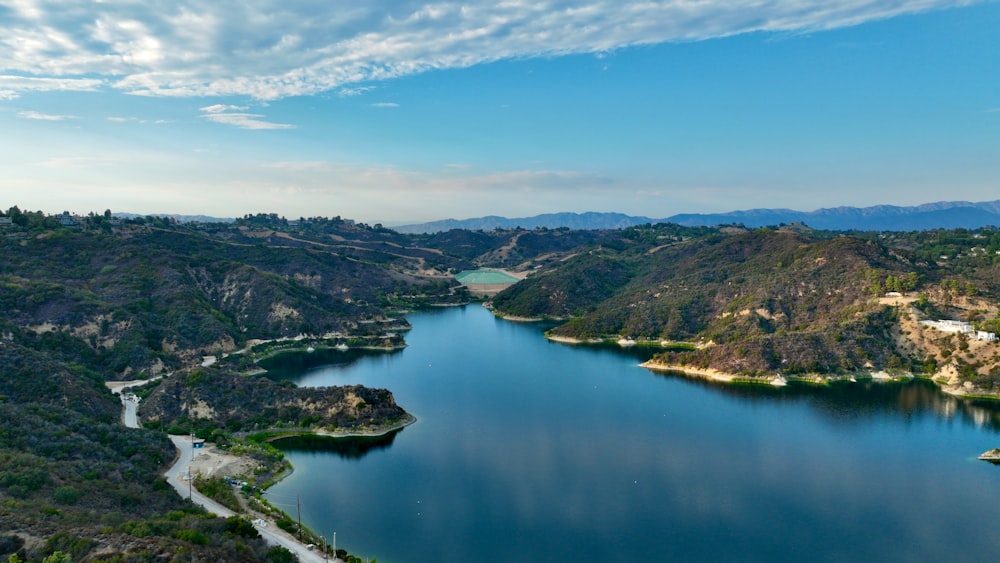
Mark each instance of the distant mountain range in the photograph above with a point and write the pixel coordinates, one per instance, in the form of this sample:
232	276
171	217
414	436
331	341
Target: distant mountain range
939	215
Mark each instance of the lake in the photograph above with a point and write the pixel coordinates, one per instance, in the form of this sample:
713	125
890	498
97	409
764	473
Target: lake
529	450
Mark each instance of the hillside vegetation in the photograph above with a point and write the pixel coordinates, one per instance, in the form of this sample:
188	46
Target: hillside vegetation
74	480
769	301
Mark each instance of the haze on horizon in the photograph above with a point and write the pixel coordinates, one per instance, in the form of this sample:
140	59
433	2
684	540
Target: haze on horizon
411	111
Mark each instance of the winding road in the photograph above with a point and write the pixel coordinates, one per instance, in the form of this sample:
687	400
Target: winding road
177	474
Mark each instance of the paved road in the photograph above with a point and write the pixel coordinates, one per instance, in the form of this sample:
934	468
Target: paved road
129	415
273	535
178	472
177	477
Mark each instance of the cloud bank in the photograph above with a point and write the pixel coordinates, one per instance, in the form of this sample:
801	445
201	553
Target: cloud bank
269	49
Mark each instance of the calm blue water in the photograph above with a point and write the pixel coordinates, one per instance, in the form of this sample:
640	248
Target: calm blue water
526	450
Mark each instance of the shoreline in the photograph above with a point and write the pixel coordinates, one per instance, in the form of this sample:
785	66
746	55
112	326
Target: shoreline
571	340
709	374
279	433
309	349
816	378
728	377
410	419
942	379
212	461
621	342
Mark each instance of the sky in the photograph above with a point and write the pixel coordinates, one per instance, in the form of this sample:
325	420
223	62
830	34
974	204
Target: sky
405	111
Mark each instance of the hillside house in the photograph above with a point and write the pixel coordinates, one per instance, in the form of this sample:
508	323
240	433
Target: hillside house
986	336
960	327
949	326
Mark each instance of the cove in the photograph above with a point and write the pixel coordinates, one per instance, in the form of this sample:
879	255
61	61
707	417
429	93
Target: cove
530	450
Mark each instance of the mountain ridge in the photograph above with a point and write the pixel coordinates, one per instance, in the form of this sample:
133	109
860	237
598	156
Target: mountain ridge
934	215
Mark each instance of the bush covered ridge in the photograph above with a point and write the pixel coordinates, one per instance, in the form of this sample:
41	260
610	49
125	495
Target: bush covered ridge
768	301
152	295
74	480
214	402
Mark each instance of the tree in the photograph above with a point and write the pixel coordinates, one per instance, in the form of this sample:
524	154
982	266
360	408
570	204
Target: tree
892	283
873	281
17	217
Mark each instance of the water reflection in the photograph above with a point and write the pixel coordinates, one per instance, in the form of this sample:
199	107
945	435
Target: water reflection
845	402
293	365
352	447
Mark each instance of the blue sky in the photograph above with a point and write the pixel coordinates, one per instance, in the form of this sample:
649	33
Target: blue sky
398	111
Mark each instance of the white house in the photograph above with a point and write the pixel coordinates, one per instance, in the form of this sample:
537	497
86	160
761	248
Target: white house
949	326
987	336
961	328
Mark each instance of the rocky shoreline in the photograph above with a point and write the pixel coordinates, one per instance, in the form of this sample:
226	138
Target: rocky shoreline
715	375
992	456
965	391
278	433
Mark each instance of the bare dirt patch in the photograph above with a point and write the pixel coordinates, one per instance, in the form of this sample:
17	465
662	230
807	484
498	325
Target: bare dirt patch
209	461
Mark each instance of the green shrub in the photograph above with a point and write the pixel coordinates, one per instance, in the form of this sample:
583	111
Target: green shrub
66	495
286	525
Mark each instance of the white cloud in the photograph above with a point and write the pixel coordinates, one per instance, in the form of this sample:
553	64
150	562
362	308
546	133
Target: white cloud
43	116
123	119
271	49
12	86
385	105
350	92
236	116
219	108
245	121
129	119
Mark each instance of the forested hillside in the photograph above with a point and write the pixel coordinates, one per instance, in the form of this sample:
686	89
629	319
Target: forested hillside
768	300
74	480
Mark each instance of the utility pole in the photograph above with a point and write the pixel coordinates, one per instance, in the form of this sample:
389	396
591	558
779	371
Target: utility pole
190	475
